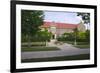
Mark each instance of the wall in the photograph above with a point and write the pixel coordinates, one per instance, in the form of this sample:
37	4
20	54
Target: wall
61	31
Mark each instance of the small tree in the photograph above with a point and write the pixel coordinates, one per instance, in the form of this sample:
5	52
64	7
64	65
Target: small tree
82	35
87	34
75	33
44	35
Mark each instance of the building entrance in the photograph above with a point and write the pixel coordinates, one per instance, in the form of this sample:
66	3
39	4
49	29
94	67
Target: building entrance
53	36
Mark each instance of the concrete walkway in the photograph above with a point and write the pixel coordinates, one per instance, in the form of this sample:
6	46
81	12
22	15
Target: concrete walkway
65	50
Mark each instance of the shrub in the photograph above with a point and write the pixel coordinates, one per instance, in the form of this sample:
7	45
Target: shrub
42	36
80	37
39	36
66	37
84	36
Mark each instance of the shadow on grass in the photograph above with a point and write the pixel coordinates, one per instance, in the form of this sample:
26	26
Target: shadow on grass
40	48
83	46
62	58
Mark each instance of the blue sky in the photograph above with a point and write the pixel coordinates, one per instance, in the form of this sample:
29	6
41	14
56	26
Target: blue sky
64	17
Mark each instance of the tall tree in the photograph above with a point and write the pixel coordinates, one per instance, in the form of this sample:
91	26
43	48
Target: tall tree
30	22
85	17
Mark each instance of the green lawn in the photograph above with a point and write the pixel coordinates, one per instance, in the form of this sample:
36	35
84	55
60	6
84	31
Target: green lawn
63	58
25	44
38	48
78	43
82	46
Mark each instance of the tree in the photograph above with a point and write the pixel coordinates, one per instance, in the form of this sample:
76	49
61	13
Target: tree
85	17
45	35
87	34
75	33
30	22
82	35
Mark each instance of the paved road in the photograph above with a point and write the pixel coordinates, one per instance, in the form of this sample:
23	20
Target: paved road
45	54
65	50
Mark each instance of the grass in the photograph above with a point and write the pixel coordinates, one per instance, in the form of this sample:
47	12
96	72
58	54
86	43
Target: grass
42	48
82	46
63	58
25	44
78	43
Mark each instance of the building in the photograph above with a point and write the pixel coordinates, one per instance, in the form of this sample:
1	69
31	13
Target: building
57	29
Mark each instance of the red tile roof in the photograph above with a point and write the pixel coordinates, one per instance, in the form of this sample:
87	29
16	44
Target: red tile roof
59	25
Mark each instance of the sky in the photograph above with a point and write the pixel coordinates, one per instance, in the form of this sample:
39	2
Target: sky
63	17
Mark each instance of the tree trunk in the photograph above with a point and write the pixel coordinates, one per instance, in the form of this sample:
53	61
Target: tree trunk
46	43
29	41
75	42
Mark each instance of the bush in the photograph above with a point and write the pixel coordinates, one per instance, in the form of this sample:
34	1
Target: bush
83	36
66	37
39	36
43	36
80	37
24	38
